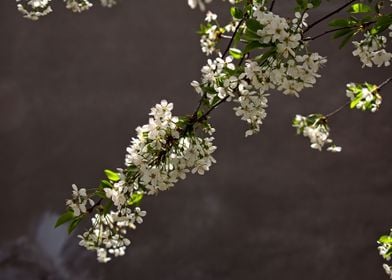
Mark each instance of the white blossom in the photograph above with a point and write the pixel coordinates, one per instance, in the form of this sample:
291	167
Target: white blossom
78	6
316	129
34	9
388	270
371	50
108	3
79	201
107	235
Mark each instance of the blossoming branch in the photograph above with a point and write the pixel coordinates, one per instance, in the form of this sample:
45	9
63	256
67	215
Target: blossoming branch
255	54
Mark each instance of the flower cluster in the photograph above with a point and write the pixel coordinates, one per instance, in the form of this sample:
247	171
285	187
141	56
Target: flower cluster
107	235
35	9
163	152
385	250
364	96
290	68
285	65
79	200
315	127
211	33
371	50
78	6
266	52
251	106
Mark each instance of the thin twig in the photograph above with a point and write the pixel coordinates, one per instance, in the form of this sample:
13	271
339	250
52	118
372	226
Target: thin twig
232	38
272	5
383	84
338	109
89	210
379	87
362	26
326	32
328	15
205	115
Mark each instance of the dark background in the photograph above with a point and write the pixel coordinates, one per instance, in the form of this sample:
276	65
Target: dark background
72	90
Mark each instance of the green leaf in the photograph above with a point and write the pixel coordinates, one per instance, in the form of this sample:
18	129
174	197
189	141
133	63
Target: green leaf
136	198
107	207
75	222
253	45
235	53
340	22
113	176
64	218
253	25
101	193
382	23
266	55
341	33
105	184
354	103
236	13
316	3
346	39
360	8
385	239
302	5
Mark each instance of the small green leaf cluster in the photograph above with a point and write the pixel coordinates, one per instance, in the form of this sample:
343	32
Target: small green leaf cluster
364	96
361	18
385	250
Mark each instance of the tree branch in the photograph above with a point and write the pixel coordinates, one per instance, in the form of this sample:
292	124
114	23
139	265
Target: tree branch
328	15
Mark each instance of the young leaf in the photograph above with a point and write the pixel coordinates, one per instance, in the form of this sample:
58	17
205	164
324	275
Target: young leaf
385	239
346	39
340	22
253	25
64	218
135	199
113	176
360	8
253	45
105	184
75	222
236	13
341	33
107	207
235	53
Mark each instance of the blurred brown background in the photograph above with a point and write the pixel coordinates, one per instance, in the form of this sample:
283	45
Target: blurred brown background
72	90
